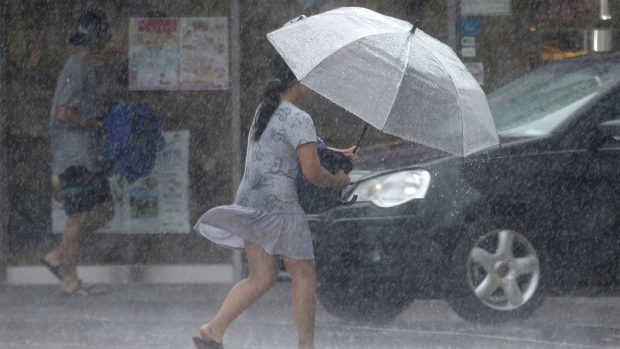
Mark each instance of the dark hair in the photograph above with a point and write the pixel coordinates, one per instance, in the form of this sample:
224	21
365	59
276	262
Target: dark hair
283	79
90	28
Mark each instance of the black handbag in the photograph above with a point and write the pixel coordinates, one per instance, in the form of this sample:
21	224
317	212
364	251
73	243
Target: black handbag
315	199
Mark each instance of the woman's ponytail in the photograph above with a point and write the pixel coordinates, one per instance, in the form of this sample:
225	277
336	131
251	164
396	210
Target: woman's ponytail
271	101
283	80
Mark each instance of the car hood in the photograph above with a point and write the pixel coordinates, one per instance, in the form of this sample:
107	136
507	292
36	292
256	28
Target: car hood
388	158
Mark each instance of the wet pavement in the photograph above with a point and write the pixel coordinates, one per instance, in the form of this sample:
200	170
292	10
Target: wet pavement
149	316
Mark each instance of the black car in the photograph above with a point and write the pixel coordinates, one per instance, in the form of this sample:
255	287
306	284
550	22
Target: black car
496	231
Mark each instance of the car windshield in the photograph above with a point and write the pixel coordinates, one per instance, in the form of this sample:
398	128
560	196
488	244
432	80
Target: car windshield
536	103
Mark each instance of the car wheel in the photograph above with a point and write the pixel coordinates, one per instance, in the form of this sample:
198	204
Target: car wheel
349	298
496	276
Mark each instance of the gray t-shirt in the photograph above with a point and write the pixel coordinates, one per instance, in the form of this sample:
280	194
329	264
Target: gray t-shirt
269	182
75	88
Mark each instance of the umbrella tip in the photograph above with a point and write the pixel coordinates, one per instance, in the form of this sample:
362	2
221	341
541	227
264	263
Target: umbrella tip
415	26
295	20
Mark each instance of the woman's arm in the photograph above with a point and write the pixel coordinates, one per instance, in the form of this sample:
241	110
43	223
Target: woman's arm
315	173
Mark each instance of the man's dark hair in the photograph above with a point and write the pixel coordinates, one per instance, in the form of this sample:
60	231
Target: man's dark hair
91	28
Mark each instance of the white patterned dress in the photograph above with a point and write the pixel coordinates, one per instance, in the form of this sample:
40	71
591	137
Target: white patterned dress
266	211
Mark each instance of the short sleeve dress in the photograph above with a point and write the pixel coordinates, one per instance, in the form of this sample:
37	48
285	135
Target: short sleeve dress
266	211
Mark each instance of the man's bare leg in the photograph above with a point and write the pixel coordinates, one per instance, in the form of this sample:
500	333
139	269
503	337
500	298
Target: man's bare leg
67	252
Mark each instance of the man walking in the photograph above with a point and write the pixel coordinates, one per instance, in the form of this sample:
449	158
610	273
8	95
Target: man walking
77	182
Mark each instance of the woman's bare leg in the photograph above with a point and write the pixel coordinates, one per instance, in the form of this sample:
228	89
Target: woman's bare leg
263	275
303	277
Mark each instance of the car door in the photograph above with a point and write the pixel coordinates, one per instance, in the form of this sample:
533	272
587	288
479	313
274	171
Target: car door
605	187
587	198
564	187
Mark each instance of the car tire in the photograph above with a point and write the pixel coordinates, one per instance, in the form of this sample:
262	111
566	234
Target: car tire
495	274
349	298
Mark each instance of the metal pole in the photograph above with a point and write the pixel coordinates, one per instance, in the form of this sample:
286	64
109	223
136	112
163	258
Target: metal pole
4	203
235	120
604	12
454	13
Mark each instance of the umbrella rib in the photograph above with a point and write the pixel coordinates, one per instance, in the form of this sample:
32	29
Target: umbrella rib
409	40
458	99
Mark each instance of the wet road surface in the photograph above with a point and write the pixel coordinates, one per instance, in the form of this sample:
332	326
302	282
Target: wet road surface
148	316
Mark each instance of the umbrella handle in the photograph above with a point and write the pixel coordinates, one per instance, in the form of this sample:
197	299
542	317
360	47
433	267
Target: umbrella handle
360	139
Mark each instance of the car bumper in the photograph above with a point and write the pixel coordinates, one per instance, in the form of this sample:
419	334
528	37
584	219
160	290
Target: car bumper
380	245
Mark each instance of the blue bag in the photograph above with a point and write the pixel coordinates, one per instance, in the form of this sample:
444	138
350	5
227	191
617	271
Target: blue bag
134	137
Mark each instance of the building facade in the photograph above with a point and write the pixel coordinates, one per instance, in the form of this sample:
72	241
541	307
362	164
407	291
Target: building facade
497	39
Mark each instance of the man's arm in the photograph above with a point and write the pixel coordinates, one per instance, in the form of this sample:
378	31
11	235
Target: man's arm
71	116
56	193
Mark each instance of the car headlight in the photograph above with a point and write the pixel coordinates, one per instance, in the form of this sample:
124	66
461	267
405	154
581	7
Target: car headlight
394	189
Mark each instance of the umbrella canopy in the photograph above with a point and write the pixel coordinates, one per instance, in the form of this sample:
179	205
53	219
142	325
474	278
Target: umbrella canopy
396	78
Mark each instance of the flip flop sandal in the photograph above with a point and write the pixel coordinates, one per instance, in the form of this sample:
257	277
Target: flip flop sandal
54	269
200	343
83	289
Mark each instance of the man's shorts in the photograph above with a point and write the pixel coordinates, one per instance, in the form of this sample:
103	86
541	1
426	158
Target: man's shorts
82	189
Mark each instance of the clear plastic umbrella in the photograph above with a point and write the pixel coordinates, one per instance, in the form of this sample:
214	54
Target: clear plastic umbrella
396	78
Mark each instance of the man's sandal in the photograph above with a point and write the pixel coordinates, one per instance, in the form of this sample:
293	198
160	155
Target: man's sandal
54	269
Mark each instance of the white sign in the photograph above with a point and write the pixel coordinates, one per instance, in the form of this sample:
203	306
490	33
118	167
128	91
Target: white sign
485	7
468	41
157	203
477	71
468	52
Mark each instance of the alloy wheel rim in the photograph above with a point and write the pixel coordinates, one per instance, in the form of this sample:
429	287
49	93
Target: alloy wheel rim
503	270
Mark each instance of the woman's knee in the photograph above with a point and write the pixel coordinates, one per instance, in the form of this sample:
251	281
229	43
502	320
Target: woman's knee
263	267
263	280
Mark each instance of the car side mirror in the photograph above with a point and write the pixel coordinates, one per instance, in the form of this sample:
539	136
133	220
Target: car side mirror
610	129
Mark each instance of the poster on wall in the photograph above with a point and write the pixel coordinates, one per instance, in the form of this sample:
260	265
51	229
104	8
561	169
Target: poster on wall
203	54
178	53
153	54
157	203
485	7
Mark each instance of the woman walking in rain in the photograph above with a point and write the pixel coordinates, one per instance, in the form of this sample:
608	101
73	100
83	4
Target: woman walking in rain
266	218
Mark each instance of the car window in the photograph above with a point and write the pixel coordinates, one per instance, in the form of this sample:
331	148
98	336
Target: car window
536	103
